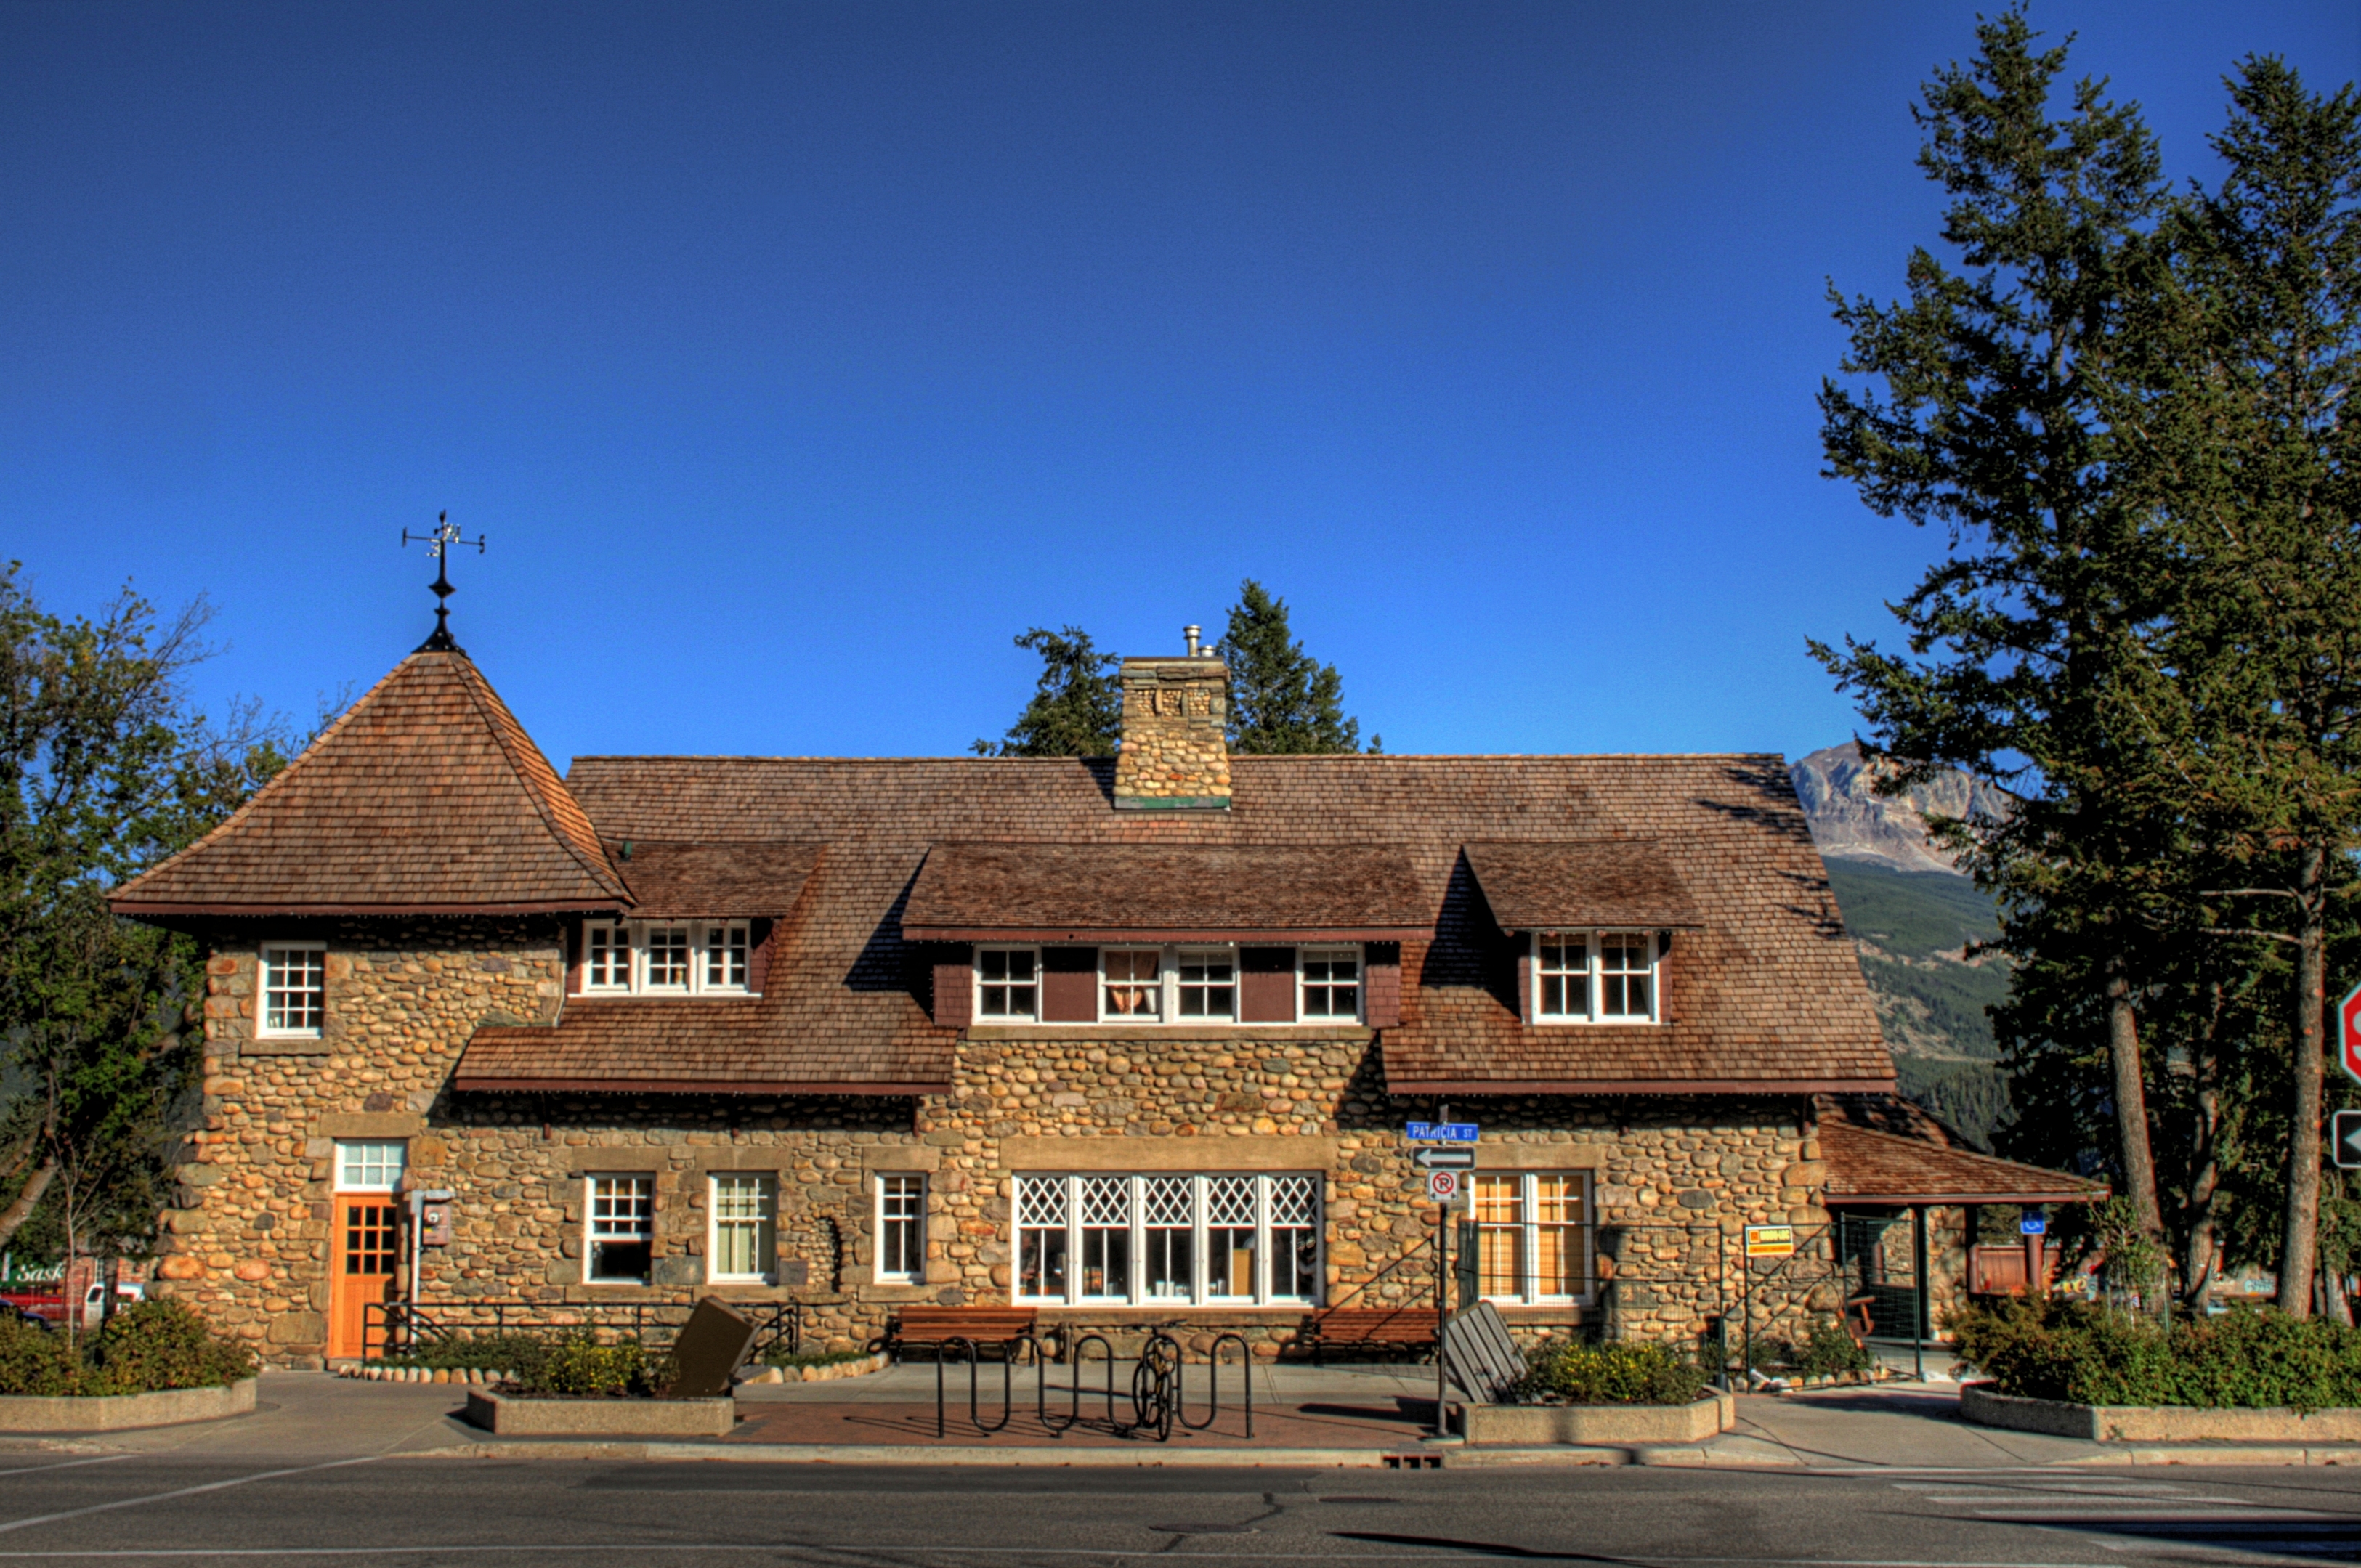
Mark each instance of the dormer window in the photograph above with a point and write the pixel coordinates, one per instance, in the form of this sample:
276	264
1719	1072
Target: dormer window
662	958
1596	977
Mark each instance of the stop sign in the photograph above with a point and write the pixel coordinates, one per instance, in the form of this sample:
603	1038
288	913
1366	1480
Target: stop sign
2348	1032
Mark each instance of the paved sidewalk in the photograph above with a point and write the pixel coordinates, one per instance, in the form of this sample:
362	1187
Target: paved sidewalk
1304	1416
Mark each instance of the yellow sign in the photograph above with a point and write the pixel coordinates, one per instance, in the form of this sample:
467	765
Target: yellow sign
1770	1241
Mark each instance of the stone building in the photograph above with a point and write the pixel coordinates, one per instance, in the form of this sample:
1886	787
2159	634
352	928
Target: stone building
1134	1041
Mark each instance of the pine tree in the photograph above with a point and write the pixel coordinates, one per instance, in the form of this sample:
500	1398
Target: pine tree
1282	701
1077	708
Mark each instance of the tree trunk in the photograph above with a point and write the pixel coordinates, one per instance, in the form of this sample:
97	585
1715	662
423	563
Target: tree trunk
2299	1245
2204	1254
13	1218
2131	1119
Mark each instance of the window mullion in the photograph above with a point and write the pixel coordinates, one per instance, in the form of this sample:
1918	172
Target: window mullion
1074	1267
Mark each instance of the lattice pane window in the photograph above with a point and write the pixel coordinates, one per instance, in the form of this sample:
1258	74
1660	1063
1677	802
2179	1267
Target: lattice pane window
1626	975
622	1229
294	991
901	1229
744	1211
1209	983
1006	983
1168	1239
607	964
667	958
1042	1237
1331	984
1134	988
1168	1209
1562	970
725	958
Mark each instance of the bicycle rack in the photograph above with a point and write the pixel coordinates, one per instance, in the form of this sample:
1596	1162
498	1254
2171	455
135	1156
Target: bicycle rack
1214	1385
1050	1423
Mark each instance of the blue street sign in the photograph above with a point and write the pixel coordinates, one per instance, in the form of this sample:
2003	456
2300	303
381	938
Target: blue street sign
1442	1131
2033	1226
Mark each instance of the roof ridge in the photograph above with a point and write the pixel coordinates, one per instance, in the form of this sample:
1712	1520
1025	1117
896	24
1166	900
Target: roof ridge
1235	758
500	721
270	787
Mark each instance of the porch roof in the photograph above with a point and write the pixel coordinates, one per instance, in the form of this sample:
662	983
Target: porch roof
1870	1166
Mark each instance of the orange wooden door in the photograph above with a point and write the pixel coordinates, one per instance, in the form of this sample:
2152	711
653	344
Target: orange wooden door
365	1246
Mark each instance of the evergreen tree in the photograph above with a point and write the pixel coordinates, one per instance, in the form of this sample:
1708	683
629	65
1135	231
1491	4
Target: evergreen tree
2026	642
2247	447
1282	701
1077	708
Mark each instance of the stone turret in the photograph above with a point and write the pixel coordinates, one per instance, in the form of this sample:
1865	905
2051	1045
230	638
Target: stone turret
1176	754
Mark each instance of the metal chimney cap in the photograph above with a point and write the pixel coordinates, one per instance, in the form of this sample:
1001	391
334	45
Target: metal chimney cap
1191	633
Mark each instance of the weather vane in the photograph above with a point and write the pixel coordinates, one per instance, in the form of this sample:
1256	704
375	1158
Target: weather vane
438	544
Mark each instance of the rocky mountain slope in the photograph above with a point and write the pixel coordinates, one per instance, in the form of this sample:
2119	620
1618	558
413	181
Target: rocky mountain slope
1913	918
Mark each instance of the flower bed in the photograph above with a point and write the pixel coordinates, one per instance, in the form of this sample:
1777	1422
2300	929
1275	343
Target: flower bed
1570	1372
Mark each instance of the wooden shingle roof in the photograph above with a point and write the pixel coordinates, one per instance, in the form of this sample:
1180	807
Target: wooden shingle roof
1885	1150
426	797
1762	995
1581	886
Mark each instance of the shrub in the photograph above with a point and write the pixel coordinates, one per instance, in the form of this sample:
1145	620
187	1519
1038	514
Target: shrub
147	1347
164	1345
2059	1348
1568	1372
579	1366
1824	1352
512	1350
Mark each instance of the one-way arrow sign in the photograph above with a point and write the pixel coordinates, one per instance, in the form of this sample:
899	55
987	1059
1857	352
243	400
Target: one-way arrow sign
1443	1159
2346	1139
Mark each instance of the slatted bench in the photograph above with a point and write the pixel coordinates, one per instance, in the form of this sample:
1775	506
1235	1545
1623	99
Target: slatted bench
986	1328
1367	1328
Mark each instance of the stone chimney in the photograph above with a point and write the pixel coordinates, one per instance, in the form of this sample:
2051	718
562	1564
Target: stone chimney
1175	756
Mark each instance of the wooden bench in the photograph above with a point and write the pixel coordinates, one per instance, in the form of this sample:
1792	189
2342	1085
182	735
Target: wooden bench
1367	1328
986	1328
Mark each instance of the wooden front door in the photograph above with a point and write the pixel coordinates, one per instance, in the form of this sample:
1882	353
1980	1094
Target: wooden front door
366	1243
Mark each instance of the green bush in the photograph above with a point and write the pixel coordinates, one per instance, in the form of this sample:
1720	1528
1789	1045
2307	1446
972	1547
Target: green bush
147	1347
579	1366
2060	1348
1568	1372
1826	1352
514	1351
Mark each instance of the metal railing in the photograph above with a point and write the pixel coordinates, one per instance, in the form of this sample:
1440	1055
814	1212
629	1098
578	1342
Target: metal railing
391	1329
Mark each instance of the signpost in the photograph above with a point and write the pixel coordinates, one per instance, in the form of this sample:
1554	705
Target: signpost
1443	1159
1445	1186
2348	1032
2346	1139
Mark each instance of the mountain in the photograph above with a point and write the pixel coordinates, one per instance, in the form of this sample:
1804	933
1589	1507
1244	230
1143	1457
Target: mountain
1850	821
1913	918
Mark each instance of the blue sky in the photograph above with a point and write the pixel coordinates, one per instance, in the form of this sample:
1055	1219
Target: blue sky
796	358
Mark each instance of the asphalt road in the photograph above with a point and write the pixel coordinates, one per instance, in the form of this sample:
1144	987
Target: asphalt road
400	1512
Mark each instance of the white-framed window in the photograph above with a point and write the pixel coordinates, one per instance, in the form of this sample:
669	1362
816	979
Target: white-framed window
1532	1236
744	1240
1167	1240
1329	984
667	958
901	1230
1007	984
619	1239
1209	984
1131	984
374	1166
1596	977
294	986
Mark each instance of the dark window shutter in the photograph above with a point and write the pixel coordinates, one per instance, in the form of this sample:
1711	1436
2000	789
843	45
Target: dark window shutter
1524	974
954	985
574	942
1381	1001
1267	985
758	956
1070	985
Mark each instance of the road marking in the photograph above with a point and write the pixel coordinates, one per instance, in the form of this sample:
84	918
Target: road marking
1160	1553
180	1492
68	1465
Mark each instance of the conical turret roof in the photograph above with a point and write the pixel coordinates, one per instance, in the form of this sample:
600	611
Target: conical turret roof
426	797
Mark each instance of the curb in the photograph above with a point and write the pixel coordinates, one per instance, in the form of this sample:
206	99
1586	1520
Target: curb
2278	1455
907	1453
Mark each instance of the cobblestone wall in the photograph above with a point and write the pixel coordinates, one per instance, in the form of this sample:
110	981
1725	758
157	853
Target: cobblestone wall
1674	1179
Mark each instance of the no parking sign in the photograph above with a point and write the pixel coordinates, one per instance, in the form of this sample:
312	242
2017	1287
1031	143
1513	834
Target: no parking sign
1442	1186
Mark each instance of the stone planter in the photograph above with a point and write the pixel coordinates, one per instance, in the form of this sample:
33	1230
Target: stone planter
1533	1425
2155	1423
508	1415
114	1412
